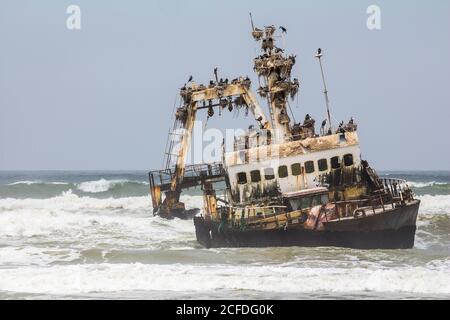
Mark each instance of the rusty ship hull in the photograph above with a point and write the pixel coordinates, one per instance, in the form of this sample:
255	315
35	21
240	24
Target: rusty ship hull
393	229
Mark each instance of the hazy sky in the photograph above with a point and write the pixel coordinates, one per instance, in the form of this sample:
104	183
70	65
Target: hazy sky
102	97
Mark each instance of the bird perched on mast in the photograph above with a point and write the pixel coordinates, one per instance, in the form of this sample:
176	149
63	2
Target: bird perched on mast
215	74
319	53
322	127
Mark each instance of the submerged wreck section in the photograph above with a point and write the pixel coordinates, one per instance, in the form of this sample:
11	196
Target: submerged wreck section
285	184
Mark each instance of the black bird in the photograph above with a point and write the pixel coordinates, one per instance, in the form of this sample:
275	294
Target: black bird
283	29
190	79
319	51
324	122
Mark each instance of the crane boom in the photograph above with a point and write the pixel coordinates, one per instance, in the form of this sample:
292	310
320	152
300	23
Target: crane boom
197	97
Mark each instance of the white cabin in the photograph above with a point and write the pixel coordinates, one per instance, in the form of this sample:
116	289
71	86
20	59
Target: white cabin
290	166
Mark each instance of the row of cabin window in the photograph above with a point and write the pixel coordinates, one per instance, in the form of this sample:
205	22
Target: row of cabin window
296	169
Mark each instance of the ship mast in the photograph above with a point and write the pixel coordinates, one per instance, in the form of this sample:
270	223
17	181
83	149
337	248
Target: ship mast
325	91
275	68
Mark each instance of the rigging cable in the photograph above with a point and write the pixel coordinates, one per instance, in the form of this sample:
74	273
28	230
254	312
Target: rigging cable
290	109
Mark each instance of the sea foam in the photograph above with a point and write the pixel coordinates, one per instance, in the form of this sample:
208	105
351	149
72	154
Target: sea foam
79	279
438	204
67	216
101	185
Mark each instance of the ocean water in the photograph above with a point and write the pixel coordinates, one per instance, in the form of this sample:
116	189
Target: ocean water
77	235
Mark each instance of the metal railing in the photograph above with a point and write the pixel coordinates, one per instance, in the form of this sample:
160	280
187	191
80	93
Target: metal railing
394	186
193	173
395	192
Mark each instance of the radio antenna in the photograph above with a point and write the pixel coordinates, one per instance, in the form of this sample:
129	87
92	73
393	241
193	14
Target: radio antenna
251	20
325	91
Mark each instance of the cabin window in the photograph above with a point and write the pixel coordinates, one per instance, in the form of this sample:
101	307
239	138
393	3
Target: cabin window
255	176
242	178
309	166
348	159
296	169
295	204
305	203
324	198
269	174
308	202
316	201
282	171
335	163
323	164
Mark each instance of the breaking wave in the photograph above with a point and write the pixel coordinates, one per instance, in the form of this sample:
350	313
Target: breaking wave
424	184
432	278
93	237
439	204
70	214
85	222
99	188
129	221
70	217
103	185
36	182
431	188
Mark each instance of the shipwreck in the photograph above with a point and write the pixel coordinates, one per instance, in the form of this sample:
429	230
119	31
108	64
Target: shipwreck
285	183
